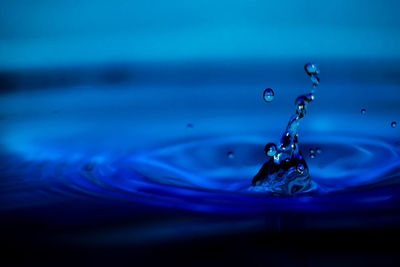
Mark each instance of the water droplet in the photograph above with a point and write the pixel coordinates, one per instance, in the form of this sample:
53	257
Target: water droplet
312	156
363	111
300	168
315	80
268	95
393	124
230	155
311	150
318	150
270	149
311	69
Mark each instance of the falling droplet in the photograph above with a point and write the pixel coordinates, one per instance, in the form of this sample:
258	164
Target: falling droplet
230	155
268	95
393	124
315	80
270	149
311	69
363	111
300	168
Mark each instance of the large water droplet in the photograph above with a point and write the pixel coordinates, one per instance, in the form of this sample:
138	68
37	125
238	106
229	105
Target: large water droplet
268	95
270	149
311	69
393	124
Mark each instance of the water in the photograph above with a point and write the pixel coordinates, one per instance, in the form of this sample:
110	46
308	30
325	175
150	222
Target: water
268	95
280	174
130	144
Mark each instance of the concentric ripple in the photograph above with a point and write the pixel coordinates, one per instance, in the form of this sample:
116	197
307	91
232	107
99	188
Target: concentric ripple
350	173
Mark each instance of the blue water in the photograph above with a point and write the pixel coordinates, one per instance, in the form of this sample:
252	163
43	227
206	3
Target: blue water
132	142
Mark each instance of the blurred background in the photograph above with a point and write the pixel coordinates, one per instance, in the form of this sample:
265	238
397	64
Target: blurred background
95	80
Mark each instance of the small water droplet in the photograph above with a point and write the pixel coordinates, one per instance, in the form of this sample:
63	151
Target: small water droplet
230	155
311	69
312	156
318	150
300	168
315	80
363	111
268	95
311	150
270	149
393	124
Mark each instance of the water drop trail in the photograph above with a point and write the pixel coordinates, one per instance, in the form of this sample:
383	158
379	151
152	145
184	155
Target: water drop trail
286	172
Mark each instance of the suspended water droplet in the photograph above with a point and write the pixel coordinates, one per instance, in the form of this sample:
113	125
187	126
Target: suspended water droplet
230	155
300	168
393	124
311	69
363	111
270	149
315	80
268	95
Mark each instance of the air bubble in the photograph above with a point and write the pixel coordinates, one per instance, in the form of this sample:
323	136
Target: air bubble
268	95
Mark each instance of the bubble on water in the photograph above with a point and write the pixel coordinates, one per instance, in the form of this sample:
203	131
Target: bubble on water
393	124
268	95
230	155
270	149
363	111
300	168
311	69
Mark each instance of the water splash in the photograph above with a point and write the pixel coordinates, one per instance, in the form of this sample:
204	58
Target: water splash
286	172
